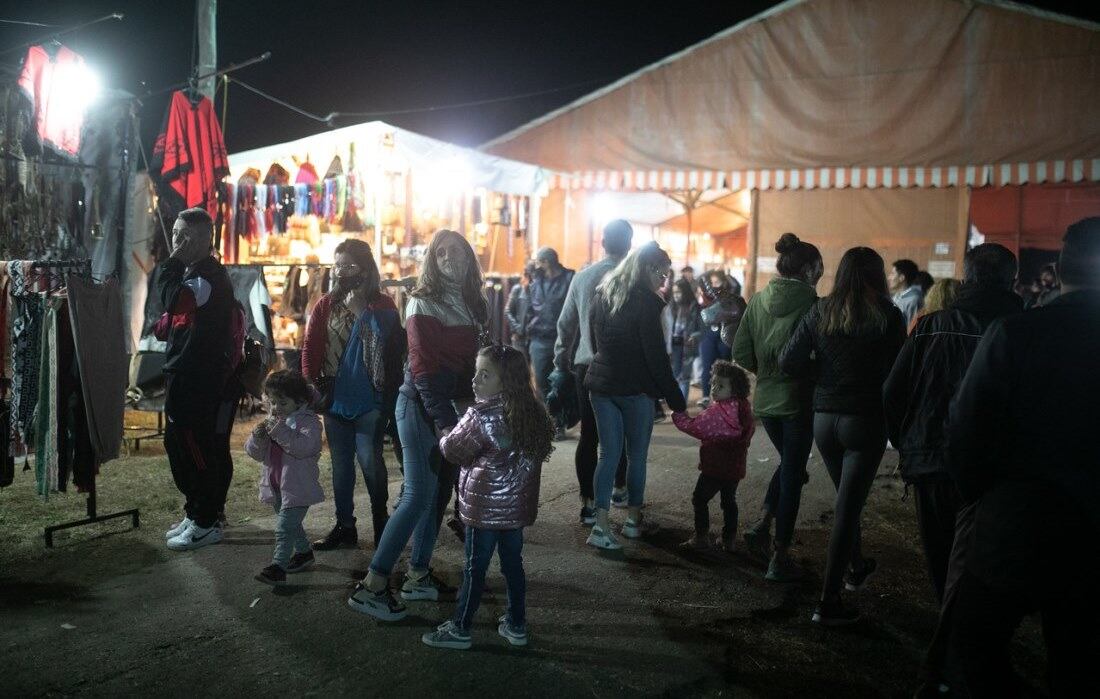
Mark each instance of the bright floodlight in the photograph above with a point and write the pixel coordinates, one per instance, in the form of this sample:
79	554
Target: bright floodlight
77	88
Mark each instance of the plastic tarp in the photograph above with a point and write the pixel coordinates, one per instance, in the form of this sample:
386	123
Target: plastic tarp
841	83
425	156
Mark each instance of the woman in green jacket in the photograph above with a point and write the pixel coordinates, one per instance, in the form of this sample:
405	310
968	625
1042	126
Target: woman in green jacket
783	403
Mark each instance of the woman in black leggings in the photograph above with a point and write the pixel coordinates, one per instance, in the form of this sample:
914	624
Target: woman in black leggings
848	341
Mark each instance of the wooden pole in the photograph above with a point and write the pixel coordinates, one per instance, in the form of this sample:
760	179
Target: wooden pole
752	242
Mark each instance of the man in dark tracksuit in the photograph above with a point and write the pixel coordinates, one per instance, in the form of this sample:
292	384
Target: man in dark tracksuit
198	297
925	377
1021	441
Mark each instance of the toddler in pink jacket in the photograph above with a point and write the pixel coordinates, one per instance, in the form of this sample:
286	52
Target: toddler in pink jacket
725	429
288	443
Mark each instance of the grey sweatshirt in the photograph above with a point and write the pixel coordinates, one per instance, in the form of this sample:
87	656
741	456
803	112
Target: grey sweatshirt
574	314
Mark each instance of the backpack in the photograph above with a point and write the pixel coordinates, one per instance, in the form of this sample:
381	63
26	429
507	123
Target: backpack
249	359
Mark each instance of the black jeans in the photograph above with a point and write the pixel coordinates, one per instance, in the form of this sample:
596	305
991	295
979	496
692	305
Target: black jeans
986	618
705	489
587	454
851	447
792	437
938	503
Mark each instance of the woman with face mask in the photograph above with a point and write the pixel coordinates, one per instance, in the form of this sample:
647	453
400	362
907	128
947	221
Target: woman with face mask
444	319
353	351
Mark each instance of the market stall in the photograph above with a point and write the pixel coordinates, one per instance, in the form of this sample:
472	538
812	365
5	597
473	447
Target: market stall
291	204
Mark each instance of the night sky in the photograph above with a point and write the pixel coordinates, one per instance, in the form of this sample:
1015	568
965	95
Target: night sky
378	56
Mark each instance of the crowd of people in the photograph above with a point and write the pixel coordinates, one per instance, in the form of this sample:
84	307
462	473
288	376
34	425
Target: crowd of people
988	406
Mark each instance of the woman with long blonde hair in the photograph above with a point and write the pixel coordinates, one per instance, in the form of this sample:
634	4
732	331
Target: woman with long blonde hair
443	319
629	370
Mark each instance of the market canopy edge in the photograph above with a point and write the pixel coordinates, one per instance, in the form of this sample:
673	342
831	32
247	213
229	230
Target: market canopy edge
422	153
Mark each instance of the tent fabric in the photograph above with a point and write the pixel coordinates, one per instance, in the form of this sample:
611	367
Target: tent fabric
377	140
1046	172
923	225
1031	216
844	84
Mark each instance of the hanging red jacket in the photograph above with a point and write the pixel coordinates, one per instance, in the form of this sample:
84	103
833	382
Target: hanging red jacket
53	85
189	152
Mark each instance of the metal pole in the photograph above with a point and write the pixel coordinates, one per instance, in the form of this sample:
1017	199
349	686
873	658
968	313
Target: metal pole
206	12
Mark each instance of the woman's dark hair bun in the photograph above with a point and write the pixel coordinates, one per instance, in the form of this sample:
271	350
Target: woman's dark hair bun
786	243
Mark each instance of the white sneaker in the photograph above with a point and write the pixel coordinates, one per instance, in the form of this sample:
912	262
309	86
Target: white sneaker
195	537
636	530
603	540
178	528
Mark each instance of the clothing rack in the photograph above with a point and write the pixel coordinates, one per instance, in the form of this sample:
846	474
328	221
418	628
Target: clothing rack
85	267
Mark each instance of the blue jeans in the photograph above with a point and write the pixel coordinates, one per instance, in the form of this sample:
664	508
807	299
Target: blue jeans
415	514
681	373
622	419
290	535
541	352
350	441
479	552
792	437
711	348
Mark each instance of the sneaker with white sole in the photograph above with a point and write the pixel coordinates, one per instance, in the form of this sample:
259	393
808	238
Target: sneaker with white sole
427	588
620	498
516	635
380	605
178	528
636	530
856	577
602	540
447	635
195	537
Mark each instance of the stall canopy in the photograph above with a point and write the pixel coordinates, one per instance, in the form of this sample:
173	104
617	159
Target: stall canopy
842	94
420	153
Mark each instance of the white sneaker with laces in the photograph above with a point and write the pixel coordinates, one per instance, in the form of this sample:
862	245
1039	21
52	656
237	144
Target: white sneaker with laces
636	530
195	537
178	528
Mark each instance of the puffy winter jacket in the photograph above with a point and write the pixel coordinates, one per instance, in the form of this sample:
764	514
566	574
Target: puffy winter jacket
291	452
725	429
928	372
498	487
630	356
849	370
766	326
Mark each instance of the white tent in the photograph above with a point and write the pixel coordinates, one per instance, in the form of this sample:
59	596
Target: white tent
426	156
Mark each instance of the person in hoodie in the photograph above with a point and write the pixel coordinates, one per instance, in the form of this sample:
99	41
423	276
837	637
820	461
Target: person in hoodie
926	376
782	402
500	445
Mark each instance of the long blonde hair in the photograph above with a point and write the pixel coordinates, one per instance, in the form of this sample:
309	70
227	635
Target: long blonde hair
430	283
619	282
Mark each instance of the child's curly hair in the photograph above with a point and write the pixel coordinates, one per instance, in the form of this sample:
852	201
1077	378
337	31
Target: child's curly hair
531	428
290	384
738	378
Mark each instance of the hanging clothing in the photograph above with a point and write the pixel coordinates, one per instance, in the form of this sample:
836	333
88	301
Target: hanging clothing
102	351
28	312
189	154
45	431
48	82
307	174
250	289
277	174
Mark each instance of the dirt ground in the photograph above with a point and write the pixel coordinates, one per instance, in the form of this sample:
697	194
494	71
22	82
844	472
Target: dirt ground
112	612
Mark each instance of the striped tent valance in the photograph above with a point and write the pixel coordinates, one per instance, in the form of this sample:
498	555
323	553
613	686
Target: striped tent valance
1050	171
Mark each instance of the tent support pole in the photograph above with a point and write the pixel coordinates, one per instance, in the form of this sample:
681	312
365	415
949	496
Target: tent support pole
752	242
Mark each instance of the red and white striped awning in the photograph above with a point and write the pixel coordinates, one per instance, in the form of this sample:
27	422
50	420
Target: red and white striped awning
1049	171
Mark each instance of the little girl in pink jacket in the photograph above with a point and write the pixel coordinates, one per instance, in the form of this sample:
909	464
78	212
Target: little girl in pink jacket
288	443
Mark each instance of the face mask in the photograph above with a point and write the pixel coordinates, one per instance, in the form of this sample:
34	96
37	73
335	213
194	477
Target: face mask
350	283
455	269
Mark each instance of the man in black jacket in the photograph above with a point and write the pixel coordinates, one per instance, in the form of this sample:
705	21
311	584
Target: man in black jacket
198	298
925	377
1021	440
545	298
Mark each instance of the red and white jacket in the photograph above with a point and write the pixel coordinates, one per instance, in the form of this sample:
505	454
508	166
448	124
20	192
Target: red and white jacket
443	344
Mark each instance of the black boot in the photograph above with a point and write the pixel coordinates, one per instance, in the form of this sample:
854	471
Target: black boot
339	537
380	518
